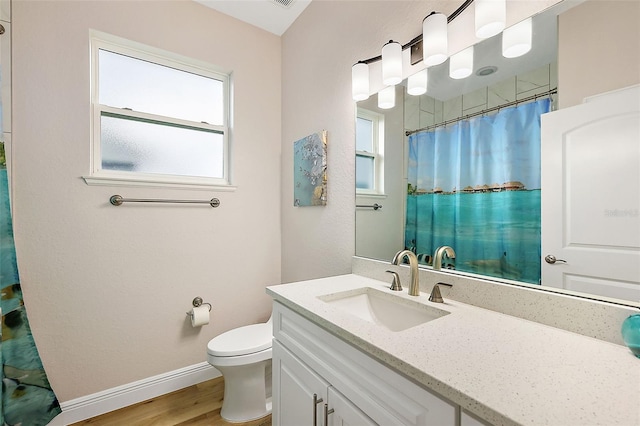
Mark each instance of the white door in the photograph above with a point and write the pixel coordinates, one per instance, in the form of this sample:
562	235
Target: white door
342	412
299	393
591	196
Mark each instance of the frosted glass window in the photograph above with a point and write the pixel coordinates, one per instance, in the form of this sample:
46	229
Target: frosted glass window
157	117
364	135
364	172
144	86
369	152
138	146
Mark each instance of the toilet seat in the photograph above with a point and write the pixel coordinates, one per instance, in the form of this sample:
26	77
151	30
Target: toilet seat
241	341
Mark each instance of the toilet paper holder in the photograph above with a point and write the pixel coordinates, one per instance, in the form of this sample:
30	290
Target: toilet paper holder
198	302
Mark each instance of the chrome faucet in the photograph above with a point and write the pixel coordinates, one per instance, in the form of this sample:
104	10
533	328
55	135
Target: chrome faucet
414	287
437	257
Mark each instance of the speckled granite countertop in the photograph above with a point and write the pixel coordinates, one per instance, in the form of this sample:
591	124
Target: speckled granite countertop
503	369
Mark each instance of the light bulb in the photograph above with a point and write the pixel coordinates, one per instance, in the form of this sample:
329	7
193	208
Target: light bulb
391	63
417	83
461	64
434	39
516	40
360	81
490	17
387	97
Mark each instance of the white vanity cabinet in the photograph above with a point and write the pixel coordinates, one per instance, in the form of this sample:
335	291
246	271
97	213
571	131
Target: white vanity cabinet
357	389
467	419
344	412
305	398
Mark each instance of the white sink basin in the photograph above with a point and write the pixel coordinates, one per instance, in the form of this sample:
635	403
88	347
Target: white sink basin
385	309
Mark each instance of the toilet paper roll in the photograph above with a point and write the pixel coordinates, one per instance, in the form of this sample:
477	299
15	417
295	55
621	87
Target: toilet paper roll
199	316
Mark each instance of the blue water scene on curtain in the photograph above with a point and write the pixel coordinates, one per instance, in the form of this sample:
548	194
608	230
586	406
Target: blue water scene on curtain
475	186
27	398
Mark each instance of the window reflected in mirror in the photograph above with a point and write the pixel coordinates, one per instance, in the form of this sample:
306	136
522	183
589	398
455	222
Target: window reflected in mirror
369	152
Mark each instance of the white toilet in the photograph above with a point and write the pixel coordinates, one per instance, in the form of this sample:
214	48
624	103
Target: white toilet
241	355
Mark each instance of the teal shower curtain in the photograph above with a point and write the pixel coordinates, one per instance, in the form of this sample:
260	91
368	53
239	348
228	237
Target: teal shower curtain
26	396
475	186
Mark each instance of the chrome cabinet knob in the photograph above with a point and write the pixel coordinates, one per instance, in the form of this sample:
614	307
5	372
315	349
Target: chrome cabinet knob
316	401
327	411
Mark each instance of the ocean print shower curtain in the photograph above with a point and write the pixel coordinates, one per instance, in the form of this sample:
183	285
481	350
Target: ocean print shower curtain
26	398
475	186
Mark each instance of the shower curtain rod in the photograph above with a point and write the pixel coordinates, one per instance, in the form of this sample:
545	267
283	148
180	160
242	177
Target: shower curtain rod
117	200
484	111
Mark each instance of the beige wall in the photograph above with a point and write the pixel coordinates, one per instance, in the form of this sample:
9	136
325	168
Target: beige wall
317	53
107	287
599	49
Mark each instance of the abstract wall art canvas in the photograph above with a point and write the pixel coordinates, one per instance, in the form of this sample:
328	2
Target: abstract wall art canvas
310	170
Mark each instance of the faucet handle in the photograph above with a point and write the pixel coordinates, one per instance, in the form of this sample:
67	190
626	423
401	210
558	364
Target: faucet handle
395	284
436	296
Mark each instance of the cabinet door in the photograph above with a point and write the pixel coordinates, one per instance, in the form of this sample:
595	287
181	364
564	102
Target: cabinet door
294	387
344	412
469	420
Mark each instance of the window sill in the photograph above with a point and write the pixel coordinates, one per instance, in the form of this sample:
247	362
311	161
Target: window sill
371	195
158	181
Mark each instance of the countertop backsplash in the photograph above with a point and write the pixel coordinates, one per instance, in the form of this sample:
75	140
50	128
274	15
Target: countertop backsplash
593	318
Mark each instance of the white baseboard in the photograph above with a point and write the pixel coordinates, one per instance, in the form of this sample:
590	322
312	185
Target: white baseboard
122	396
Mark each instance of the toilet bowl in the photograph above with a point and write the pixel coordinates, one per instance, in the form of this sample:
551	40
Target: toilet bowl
241	355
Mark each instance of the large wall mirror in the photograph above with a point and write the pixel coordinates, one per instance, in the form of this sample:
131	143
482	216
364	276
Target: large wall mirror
391	196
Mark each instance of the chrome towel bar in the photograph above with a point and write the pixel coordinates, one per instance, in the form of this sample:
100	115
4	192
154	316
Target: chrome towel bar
117	200
375	206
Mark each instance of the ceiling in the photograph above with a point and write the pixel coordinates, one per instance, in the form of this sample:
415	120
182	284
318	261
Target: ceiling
274	16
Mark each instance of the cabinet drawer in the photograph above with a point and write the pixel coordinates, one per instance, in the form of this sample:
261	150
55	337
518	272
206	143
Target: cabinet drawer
380	392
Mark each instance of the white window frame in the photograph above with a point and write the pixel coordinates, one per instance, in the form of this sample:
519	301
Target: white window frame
99	176
377	154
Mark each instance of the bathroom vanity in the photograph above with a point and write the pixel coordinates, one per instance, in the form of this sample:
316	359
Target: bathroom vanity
338	360
318	375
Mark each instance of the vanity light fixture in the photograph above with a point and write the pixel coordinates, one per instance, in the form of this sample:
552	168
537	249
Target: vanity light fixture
417	83
434	28
461	64
360	81
490	17
387	97
431	47
391	63
516	40
435	44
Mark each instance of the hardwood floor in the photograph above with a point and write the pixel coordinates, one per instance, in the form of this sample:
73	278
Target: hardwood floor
197	405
